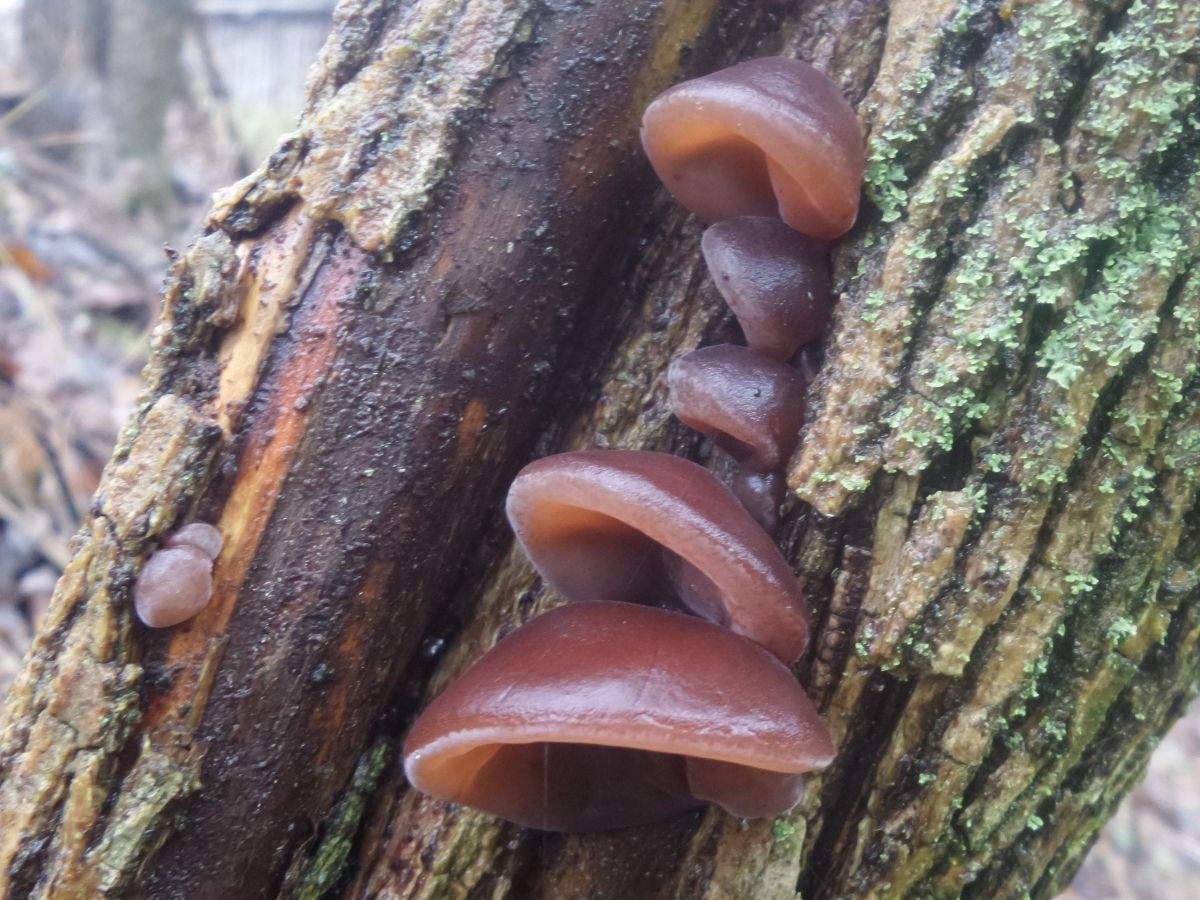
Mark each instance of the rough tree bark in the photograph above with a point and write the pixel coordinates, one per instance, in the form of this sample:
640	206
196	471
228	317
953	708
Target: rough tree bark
460	262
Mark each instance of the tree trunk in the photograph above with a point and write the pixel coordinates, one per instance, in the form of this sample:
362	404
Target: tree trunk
460	262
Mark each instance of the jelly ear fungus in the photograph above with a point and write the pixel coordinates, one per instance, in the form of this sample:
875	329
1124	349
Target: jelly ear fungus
767	137
176	581
550	729
651	527
749	400
602	714
774	279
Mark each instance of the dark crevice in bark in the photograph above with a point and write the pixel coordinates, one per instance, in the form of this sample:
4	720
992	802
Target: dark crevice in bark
842	796
844	543
1079	77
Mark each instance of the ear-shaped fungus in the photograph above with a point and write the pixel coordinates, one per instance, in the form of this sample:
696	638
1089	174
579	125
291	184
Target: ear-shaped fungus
604	715
765	137
774	279
751	406
596	524
176	582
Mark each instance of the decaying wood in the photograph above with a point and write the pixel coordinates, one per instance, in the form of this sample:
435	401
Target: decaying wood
460	261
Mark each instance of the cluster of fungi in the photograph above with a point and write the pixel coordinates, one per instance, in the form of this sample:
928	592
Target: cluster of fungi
176	582
607	713
669	685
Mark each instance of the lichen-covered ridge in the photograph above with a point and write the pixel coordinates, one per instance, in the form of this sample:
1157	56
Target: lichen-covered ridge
1019	384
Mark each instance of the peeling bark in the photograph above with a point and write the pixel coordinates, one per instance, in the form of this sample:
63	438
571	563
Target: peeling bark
458	262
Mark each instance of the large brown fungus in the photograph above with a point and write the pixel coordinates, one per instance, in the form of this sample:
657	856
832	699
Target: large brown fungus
596	524
603	715
766	137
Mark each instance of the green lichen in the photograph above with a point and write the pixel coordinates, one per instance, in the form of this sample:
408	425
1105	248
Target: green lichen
1052	36
1120	629
340	830
783	830
1054	730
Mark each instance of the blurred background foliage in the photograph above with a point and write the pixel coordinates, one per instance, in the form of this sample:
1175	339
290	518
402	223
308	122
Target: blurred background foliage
118	118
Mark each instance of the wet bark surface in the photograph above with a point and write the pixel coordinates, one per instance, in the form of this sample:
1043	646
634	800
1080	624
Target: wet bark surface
461	262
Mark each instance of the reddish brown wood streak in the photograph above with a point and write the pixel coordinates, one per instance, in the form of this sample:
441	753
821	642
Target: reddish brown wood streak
264	463
451	345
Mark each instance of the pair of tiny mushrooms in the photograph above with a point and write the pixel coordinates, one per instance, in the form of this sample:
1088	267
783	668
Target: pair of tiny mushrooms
669	685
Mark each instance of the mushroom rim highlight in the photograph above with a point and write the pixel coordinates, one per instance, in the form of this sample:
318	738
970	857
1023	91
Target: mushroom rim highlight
766	136
673	503
717	718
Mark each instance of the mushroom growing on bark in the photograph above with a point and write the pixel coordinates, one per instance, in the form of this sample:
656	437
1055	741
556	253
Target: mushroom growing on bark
774	279
766	137
638	526
751	405
605	715
176	581
602	714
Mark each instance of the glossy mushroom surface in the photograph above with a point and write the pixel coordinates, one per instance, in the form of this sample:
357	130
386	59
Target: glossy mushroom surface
609	525
176	581
751	406
765	137
605	715
200	536
775	280
762	493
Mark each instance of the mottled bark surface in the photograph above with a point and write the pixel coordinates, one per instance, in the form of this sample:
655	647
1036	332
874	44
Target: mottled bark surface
459	262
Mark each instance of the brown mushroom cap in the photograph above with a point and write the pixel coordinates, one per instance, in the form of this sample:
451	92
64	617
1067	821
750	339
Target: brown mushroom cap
774	279
752	406
764	137
762	494
595	524
176	581
600	715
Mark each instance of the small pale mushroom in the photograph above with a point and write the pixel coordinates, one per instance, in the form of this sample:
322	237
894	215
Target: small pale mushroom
774	279
765	137
605	715
176	581
637	526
